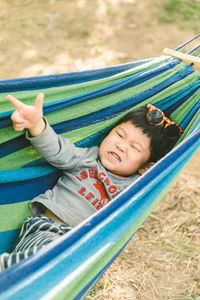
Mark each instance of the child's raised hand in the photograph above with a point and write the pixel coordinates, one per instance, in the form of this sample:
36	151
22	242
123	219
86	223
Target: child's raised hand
26	116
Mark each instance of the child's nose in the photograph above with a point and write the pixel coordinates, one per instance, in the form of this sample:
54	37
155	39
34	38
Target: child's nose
122	147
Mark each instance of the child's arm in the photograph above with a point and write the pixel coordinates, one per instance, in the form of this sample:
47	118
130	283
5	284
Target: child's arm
57	150
26	116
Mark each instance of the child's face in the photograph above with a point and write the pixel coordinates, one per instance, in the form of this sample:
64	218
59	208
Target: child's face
125	150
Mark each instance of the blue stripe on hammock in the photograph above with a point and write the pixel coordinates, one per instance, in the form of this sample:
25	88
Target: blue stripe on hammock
22	174
115	110
20	271
20	189
38	82
171	103
196	125
9	239
13	145
194	109
119	85
106	90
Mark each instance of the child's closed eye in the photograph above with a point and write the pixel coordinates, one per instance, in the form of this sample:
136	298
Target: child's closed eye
136	147
120	134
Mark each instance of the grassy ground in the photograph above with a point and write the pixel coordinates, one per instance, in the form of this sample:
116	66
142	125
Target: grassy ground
53	36
181	12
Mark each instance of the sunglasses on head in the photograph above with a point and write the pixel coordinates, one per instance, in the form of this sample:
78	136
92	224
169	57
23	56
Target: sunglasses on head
156	117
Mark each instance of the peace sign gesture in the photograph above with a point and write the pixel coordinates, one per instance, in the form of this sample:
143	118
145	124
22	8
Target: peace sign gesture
27	116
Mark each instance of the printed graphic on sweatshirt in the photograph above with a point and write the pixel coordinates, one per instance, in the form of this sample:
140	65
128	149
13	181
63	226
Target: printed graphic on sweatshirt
100	198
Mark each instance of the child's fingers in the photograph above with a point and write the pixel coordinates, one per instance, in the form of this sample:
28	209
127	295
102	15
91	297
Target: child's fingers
39	101
19	128
20	125
18	104
16	117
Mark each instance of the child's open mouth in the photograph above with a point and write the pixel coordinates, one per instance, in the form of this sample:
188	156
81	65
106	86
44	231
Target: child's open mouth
115	156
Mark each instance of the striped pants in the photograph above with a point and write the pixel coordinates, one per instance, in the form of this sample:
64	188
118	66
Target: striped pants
36	232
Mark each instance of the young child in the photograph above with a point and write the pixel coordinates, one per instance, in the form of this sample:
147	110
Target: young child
91	177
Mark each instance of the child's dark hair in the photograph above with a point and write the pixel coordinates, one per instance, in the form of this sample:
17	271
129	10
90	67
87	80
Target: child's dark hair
160	143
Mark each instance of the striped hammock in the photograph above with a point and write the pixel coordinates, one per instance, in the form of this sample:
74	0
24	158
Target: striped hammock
82	106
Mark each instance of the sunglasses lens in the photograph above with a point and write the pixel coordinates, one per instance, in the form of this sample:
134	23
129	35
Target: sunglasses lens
155	117
172	130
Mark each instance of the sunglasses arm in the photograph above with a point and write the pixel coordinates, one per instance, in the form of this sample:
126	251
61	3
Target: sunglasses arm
186	58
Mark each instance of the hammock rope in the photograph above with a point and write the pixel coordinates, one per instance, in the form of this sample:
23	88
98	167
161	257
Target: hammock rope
82	106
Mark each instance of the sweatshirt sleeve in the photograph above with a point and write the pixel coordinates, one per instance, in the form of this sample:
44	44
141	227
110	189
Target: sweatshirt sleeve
57	150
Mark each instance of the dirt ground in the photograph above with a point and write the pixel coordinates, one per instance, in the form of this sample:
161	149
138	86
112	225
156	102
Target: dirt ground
55	36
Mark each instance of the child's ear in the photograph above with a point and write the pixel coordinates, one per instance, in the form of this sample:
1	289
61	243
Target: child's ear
145	167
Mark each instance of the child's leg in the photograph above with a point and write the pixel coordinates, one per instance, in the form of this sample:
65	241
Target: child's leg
36	232
7	260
